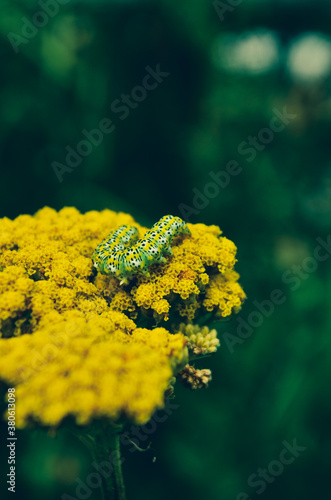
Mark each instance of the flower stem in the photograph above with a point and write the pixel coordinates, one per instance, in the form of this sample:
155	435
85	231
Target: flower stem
117	464
106	449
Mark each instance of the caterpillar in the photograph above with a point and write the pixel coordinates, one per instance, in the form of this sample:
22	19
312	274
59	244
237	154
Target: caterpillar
121	254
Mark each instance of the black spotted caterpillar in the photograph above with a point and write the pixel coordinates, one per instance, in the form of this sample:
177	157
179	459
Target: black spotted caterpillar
121	255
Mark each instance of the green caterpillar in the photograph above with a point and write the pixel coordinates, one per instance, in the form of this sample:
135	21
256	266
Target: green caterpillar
121	255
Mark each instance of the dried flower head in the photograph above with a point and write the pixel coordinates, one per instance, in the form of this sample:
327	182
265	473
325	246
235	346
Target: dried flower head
193	378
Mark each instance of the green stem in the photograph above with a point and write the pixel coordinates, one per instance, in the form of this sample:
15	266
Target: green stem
117	463
103	441
98	458
107	449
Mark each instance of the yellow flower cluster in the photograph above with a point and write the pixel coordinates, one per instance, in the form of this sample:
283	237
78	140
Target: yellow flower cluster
197	264
72	339
74	366
186	277
224	294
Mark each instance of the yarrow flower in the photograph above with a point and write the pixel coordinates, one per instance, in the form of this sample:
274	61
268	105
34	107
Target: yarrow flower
77	343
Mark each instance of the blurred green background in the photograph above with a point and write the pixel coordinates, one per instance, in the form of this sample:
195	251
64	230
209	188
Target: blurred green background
231	65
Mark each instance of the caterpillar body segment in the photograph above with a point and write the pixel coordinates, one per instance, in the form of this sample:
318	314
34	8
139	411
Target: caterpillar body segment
121	254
